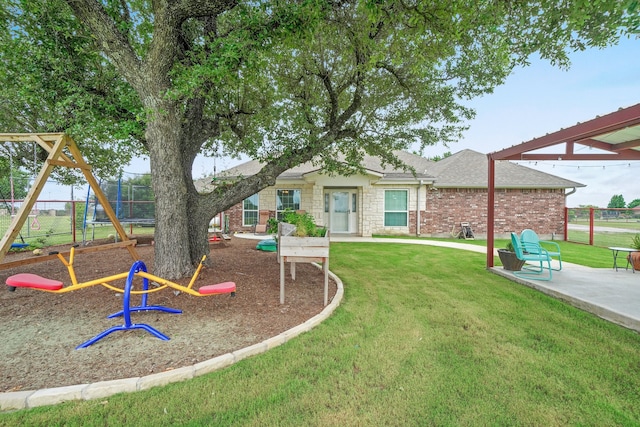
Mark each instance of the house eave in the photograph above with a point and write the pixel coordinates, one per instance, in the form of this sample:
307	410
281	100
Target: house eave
403	181
513	187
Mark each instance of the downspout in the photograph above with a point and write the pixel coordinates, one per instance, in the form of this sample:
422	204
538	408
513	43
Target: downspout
565	228
491	188
418	209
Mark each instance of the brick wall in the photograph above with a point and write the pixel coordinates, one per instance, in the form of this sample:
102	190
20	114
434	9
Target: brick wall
235	219
444	209
516	209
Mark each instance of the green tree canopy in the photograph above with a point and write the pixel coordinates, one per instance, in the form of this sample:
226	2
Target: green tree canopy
280	81
634	203
617	201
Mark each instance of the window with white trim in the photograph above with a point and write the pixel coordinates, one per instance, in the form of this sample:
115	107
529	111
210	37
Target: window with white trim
396	208
287	199
250	210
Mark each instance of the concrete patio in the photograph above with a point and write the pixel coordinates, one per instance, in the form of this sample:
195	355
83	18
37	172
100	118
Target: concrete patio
605	292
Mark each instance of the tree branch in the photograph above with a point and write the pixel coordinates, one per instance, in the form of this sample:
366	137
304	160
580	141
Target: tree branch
111	41
186	9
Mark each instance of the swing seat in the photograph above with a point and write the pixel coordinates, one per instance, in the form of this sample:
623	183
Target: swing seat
28	280
219	288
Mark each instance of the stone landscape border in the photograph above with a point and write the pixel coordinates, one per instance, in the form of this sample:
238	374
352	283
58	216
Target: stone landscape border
26	399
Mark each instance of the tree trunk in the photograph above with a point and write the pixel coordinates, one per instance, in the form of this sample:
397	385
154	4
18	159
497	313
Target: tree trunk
172	252
199	218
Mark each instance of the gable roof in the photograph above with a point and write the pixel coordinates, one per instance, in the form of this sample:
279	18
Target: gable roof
465	169
371	164
468	169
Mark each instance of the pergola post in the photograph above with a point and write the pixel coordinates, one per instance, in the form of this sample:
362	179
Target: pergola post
491	197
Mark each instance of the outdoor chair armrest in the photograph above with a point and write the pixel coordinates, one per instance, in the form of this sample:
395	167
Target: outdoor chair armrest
531	248
549	242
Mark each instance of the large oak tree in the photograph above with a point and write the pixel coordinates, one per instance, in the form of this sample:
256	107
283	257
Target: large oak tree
283	82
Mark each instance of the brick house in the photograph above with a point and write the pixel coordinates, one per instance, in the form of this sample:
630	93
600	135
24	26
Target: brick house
385	200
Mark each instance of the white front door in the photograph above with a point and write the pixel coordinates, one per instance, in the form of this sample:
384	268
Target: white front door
342	205
340	212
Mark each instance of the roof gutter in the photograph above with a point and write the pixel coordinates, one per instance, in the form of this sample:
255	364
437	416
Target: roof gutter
421	183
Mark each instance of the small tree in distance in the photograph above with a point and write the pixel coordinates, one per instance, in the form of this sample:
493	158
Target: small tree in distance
617	201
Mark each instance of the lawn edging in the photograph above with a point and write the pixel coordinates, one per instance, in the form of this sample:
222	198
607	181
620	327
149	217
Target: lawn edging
25	399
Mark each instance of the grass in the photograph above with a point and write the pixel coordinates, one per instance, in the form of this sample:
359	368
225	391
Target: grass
424	336
56	230
576	253
630	223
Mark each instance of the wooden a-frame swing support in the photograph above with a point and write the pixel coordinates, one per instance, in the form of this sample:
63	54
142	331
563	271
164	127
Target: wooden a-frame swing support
55	144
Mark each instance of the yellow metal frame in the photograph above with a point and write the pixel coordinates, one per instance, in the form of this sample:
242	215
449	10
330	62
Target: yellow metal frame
104	281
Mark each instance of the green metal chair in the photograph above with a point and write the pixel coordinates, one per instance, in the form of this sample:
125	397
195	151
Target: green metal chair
535	253
529	237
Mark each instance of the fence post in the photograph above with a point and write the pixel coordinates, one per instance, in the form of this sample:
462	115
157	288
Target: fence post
73	220
591	217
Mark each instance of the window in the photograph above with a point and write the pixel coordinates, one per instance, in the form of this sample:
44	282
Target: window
287	199
250	210
396	208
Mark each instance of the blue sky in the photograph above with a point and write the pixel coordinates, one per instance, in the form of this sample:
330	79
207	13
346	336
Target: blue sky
541	99
537	100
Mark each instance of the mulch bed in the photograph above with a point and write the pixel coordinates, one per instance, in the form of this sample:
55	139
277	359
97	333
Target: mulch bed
39	331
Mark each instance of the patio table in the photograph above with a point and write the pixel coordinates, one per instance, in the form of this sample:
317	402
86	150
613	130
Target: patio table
615	250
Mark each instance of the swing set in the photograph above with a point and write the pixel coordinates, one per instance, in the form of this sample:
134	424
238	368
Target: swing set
62	151
35	225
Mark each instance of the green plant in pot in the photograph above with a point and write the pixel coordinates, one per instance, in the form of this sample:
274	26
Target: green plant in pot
634	257
509	259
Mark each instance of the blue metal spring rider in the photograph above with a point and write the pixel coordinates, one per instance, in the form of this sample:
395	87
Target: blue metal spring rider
137	267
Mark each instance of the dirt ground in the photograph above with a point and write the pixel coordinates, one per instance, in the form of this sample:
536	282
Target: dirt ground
39	331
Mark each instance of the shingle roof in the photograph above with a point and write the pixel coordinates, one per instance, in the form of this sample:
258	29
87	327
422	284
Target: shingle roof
465	169
370	163
469	169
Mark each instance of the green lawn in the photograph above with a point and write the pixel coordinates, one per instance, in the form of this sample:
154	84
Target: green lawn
56	230
630	223
424	336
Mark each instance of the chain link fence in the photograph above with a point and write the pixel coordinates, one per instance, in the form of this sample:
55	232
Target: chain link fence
56	222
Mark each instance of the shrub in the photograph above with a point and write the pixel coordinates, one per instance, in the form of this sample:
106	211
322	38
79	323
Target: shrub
304	222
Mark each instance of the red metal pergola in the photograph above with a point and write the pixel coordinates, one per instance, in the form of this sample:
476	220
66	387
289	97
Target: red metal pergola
616	136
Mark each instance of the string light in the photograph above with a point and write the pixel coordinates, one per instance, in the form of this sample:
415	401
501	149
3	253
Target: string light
564	165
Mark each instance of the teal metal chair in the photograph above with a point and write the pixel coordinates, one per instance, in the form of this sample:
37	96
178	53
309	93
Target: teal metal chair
534	253
529	237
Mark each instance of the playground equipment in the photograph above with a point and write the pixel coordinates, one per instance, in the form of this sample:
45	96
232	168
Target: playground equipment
35	225
130	199
137	267
137	270
62	152
33	281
